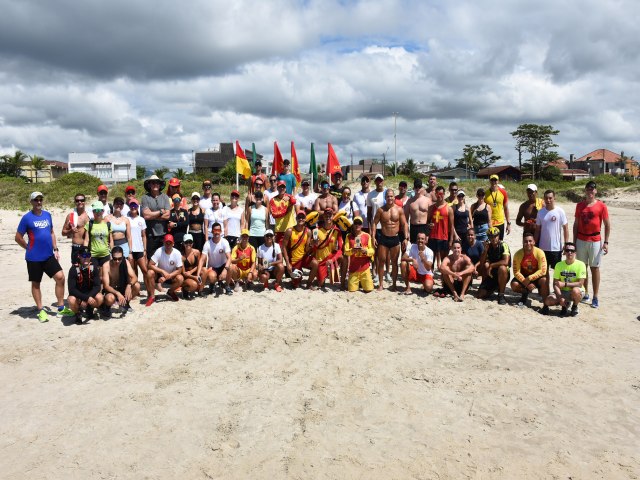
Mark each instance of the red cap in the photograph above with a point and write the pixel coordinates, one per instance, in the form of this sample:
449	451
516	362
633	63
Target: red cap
174	182
129	188
281	182
103	187
168	238
235	192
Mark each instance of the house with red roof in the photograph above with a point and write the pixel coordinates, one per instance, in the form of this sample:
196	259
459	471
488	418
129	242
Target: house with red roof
600	162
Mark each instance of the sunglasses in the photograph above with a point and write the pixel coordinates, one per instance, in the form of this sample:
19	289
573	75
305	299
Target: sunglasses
259	184
131	192
39	199
279	187
217	230
188	242
85	255
102	193
272	180
117	259
207	187
569	251
79	200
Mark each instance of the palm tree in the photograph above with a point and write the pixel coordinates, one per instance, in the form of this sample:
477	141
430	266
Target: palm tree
12	164
161	172
37	163
180	173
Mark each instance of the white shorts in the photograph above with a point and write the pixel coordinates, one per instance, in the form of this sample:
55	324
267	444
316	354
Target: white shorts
589	252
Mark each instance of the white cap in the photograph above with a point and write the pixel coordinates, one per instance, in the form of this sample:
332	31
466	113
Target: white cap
268	232
378	175
461	192
195	194
35	195
187	237
532	187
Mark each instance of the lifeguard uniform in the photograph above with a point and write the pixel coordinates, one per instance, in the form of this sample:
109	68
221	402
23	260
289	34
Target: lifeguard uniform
329	250
439	236
244	265
359	262
296	249
529	266
284	214
497	200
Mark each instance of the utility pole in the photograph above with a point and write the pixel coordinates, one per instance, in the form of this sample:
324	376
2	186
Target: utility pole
395	143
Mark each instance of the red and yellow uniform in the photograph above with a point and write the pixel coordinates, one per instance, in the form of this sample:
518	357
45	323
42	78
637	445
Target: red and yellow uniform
497	200
529	266
246	263
296	249
328	251
284	214
359	262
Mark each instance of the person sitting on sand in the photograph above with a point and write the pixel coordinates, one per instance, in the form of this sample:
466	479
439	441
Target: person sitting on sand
119	282
417	265
358	249
297	251
84	286
457	273
190	259
270	263
495	263
569	277
529	270
165	265
217	254
243	263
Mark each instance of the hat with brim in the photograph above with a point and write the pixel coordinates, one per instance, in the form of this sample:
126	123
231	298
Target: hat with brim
35	195
494	177
153	178
97	206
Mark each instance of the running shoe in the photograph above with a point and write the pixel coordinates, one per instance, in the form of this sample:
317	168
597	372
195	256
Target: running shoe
43	316
501	300
172	295
150	300
90	313
387	277
544	310
594	303
585	299
105	312
78	318
228	290
238	287
65	311
564	311
574	311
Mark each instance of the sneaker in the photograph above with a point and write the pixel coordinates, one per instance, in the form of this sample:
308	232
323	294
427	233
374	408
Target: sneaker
43	316
501	300
228	290
172	295
375	278
277	288
150	300
186	295
90	313
65	311
105	312
387	277
544	310
78	319
128	309
564	311
594	303
574	311
585	299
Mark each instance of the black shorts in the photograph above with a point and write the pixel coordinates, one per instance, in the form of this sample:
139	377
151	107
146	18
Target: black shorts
50	266
414	230
103	260
389	242
553	258
457	284
137	255
501	228
218	270
438	245
153	244
255	242
75	249
490	283
536	283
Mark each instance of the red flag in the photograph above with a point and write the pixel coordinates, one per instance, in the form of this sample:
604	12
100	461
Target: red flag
278	164
294	164
333	164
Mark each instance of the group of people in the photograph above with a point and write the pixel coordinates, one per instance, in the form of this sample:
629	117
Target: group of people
198	246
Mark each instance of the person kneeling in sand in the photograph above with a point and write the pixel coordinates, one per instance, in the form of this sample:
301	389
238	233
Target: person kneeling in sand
119	282
358	250
417	265
494	263
192	282
457	272
165	266
270	263
243	263
84	285
569	277
297	252
529	270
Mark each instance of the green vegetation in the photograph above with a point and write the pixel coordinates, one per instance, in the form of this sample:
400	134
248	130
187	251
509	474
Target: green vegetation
476	157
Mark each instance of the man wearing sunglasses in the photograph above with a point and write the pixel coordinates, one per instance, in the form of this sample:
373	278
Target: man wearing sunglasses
73	227
206	200
84	286
259	176
568	283
129	194
41	253
119	282
165	266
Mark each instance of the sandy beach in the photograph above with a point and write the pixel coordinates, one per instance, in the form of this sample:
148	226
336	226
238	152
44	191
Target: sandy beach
324	385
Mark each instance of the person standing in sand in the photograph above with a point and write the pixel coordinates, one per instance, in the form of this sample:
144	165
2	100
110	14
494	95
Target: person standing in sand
528	211
73	227
457	273
416	211
498	199
441	226
394	231
41	254
417	265
325	199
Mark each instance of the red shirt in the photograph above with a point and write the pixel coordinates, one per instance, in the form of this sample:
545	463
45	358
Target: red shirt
440	220
590	219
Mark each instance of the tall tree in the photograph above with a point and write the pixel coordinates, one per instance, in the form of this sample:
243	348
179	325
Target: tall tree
141	171
475	157
12	164
537	140
37	163
161	172
409	167
180	173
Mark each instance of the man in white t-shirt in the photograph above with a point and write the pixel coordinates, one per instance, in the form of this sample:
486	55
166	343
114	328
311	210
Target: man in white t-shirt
217	253
270	263
551	225
164	266
417	265
376	200
305	199
360	198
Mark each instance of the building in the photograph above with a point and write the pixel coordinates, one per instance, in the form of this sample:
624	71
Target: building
570	174
504	172
52	171
600	162
453	174
214	159
109	170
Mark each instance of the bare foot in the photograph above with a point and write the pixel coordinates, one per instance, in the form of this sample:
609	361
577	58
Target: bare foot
408	291
380	288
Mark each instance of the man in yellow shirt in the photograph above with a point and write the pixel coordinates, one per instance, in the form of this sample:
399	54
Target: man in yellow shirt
498	199
529	270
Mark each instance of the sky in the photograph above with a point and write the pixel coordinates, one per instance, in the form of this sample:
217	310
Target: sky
155	80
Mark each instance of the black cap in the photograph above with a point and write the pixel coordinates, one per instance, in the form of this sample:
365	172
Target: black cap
286	161
590	184
84	251
258	162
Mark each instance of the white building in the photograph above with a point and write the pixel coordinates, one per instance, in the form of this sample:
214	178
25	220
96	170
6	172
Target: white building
109	170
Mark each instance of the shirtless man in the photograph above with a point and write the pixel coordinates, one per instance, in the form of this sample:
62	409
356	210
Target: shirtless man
457	272
431	188
119	282
416	211
325	199
394	231
73	227
528	210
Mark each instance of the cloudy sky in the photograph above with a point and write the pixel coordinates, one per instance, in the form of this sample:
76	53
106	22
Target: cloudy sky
155	80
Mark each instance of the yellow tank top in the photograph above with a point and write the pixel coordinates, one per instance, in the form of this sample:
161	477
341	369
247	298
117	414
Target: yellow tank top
297	254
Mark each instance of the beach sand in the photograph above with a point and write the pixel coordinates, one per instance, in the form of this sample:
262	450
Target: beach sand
324	385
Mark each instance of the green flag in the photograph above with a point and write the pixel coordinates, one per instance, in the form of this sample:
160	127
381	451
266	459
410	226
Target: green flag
313	169
254	157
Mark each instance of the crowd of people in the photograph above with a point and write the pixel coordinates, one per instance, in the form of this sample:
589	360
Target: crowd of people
185	247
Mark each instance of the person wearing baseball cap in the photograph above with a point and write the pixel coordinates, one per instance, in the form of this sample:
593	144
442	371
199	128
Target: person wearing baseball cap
206	199
270	263
129	193
179	221
85	286
288	178
336	187
494	263
497	198
174	188
358	248
282	208
165	267
138	238
42	254
103	192
306	198
99	237
243	263
528	210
